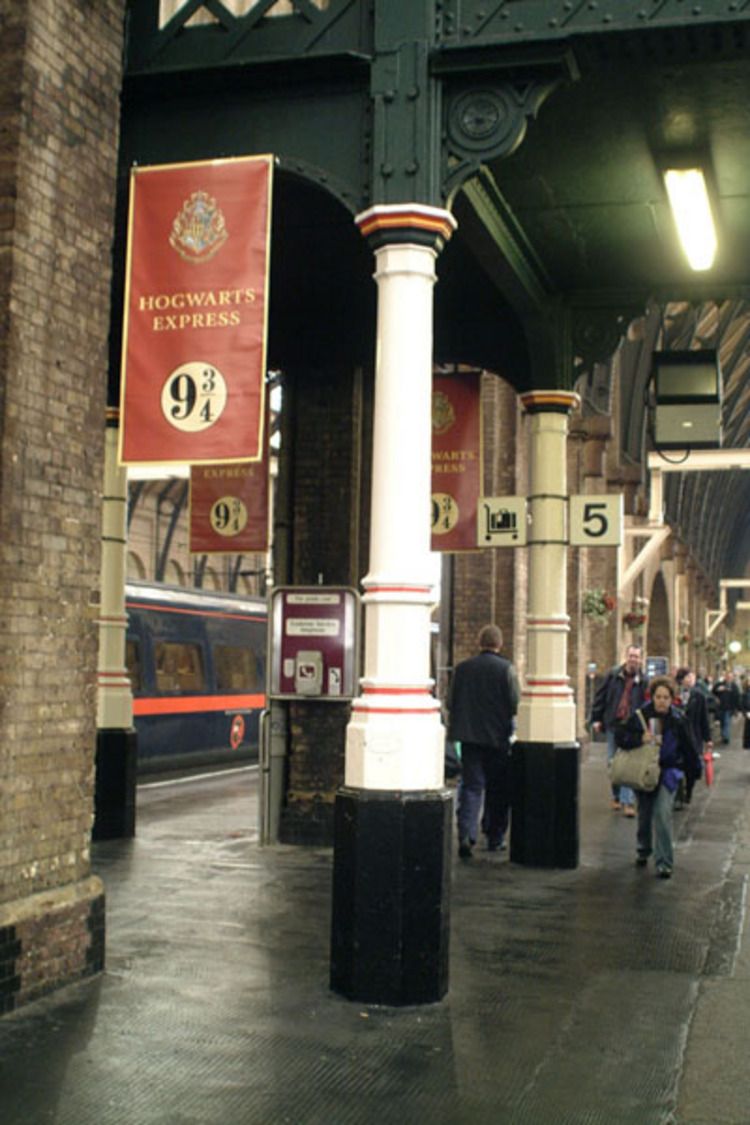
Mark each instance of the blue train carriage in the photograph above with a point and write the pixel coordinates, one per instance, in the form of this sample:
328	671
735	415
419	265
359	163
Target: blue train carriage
196	662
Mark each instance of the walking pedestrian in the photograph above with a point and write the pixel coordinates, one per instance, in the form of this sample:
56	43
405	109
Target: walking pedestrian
745	705
482	701
696	712
620	693
678	756
728	695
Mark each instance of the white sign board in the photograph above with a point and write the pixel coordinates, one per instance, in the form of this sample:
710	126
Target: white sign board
501	521
595	521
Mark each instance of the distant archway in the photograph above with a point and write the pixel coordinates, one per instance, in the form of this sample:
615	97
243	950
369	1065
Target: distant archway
174	574
136	568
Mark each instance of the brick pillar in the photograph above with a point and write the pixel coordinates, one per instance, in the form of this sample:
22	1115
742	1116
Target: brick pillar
599	564
60	108
484	587
326	417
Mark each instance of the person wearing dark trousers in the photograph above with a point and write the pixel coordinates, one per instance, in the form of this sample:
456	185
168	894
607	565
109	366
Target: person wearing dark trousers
482	701
728	696
620	694
745	705
696	712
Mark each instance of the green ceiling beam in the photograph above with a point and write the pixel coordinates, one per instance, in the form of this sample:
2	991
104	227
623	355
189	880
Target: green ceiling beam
502	22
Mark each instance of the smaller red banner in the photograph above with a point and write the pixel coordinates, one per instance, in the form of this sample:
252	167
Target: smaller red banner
229	508
456	460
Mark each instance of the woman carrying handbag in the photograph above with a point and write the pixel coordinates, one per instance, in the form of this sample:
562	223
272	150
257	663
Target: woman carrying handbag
660	721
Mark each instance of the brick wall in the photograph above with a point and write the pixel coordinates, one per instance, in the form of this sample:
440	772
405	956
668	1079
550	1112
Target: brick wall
485	584
54	939
329	500
59	126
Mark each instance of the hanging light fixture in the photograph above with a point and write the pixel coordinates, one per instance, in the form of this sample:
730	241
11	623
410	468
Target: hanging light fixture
688	198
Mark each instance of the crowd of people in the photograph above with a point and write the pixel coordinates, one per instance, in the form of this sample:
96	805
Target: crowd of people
675	714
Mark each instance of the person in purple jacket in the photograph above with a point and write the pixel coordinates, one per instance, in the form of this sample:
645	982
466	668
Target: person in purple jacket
678	757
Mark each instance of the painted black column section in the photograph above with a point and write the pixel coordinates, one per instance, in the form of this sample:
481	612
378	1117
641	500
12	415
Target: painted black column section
544	829
391	884
10	979
114	799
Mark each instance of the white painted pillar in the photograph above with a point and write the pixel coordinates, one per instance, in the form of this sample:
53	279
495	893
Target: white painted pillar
393	822
114	694
116	743
395	736
547	710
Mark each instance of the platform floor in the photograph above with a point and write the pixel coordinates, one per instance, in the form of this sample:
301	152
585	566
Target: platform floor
597	995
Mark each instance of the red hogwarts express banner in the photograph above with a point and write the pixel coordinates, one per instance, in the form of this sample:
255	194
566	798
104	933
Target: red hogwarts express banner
456	460
229	508
196	305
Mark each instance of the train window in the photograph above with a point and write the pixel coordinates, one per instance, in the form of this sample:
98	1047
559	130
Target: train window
133	664
236	668
179	667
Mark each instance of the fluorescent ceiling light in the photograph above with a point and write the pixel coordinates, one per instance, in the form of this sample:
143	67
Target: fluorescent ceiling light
688	198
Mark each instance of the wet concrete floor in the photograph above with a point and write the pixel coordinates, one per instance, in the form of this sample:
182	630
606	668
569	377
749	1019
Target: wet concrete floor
598	995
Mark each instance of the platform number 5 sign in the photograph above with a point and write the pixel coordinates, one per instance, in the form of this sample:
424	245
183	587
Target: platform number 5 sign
595	521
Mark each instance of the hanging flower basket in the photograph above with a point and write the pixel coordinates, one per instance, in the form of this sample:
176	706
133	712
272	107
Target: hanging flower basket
597	605
683	638
634	619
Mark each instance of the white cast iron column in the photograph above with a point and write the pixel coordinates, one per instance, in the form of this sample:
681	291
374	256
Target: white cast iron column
547	710
114	694
392	824
395	737
545	757
116	745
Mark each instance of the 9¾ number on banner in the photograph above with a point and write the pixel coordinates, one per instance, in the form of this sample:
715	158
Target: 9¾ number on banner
228	516
193	397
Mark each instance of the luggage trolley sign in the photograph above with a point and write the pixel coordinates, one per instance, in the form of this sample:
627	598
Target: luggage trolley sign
313	642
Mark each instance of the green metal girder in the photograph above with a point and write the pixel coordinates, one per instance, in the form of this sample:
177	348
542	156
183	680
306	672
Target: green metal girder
340	29
390	101
503	22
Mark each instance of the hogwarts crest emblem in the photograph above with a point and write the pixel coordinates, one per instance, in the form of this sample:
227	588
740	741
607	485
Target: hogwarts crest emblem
443	414
199	230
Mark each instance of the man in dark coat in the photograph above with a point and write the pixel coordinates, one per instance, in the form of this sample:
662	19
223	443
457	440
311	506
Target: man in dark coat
482	701
620	694
728	696
696	713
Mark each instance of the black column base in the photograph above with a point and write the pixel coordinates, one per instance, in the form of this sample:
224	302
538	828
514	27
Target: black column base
391	892
114	800
544	828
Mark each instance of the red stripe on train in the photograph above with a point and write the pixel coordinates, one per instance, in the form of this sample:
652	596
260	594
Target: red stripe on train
182	704
257	616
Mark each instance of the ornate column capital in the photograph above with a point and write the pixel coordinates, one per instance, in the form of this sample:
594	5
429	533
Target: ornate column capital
550	402
412	223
